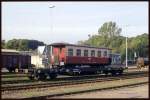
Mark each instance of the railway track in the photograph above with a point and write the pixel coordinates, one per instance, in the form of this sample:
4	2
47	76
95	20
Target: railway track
74	82
60	78
23	81
56	96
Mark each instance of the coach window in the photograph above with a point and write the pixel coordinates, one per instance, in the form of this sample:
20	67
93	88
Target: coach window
99	53
78	52
105	53
70	52
92	53
110	54
86	53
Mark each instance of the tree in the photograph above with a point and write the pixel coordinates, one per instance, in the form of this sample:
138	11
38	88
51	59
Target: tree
23	44
138	44
3	44
80	42
12	44
109	29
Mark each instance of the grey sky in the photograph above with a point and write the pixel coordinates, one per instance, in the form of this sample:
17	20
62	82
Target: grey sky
70	21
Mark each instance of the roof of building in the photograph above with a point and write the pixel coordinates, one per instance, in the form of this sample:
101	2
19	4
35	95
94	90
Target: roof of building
10	50
16	52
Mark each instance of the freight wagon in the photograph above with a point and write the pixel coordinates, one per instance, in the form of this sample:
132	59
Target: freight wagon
64	58
12	59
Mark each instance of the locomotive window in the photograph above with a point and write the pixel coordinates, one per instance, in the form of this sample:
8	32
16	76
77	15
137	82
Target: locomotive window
105	53
92	53
78	52
86	53
70	52
99	53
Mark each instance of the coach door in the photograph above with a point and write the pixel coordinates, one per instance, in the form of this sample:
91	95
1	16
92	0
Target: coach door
61	56
56	55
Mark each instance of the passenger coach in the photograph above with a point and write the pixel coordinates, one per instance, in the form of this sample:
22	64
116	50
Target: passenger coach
74	58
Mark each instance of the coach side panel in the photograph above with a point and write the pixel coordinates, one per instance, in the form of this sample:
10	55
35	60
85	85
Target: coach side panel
82	59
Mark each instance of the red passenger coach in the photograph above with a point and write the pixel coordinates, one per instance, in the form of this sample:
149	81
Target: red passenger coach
70	56
77	54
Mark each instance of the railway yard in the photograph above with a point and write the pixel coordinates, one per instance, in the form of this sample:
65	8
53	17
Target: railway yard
138	91
86	54
19	86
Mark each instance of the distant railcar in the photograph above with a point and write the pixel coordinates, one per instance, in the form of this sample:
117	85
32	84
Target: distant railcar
142	62
12	59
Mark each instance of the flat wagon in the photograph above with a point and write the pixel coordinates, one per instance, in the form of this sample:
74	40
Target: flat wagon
64	58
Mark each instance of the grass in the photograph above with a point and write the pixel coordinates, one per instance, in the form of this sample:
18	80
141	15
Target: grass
13	74
15	78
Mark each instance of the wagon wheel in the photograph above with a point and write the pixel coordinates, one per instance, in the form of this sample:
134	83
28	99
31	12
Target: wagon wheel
40	77
113	73
53	76
37	77
31	77
120	72
106	72
71	73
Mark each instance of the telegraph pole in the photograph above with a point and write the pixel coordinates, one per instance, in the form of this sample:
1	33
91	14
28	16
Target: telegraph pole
126	47
51	8
126	52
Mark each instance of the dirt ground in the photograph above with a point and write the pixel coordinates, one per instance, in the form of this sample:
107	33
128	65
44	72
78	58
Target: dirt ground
140	91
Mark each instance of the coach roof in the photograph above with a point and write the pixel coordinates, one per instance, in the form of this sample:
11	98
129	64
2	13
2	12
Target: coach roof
68	44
